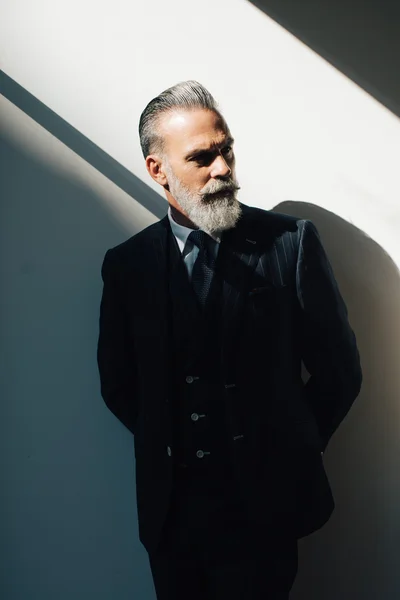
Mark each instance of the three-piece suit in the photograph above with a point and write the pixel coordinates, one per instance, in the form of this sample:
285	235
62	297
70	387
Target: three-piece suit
224	428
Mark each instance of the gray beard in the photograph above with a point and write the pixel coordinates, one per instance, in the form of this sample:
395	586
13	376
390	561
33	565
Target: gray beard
216	214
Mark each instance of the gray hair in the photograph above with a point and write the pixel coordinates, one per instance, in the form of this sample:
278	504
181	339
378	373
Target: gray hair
187	95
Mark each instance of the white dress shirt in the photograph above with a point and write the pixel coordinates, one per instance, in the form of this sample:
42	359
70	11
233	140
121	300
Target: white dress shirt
188	250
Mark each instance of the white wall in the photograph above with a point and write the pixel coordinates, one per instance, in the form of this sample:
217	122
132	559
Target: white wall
303	132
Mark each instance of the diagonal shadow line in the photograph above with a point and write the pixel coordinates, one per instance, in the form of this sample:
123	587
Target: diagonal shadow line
83	146
363	48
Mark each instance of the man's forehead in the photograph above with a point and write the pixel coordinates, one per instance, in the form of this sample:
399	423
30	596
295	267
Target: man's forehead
193	127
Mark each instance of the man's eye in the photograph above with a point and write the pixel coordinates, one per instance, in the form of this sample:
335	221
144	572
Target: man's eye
227	150
204	157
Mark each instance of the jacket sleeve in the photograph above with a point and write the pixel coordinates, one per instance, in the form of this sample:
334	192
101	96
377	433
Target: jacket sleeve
328	344
115	352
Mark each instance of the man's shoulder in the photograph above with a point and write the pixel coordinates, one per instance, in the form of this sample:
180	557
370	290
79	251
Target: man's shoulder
138	241
276	223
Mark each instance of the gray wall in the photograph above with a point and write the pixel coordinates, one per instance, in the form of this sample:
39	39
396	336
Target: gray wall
68	507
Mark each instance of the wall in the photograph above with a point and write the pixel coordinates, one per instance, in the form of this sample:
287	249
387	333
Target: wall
360	38
68	507
308	142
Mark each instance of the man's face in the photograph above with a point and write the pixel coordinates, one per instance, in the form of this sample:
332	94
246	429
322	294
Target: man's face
200	167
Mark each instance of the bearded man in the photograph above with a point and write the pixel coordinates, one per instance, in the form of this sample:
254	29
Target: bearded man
205	319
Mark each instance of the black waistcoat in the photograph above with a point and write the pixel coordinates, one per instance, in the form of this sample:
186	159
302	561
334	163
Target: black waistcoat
199	424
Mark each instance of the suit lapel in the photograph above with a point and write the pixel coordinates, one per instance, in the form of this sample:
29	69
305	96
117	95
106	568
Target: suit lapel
238	257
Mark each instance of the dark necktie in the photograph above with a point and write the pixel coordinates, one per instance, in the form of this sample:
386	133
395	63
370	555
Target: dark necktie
203	268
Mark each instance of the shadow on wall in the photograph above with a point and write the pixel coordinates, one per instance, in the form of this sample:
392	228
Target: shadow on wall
82	146
68	502
355	554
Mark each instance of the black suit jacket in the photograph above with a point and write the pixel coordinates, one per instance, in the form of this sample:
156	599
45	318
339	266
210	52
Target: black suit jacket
281	305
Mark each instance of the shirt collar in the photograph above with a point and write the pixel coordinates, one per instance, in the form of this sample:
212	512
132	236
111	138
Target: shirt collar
182	233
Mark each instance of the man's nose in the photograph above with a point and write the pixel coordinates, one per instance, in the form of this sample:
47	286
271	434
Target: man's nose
220	167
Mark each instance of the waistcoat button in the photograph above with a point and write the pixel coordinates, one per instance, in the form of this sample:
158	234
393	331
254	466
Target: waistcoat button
199	453
189	379
194	417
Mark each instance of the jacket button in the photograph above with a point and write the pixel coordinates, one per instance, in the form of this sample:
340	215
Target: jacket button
169	451
194	417
199	453
189	379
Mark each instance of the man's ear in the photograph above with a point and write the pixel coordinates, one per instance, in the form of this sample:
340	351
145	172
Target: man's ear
154	166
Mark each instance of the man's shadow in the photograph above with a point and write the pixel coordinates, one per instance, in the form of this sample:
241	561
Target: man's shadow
350	557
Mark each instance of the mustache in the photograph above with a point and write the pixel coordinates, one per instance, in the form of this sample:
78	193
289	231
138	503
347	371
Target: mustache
216	187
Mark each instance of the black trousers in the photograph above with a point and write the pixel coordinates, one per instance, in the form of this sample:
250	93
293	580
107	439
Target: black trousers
211	551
